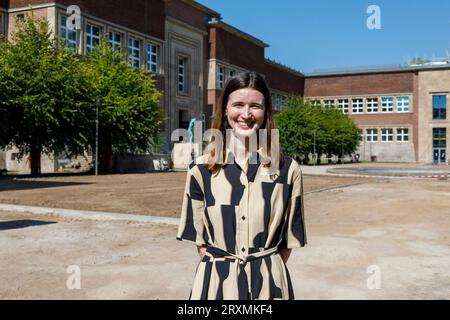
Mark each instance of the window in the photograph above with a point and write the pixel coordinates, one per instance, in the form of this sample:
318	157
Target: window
360	134
387	104
152	57
440	107
230	73
372	105
68	36
115	40
221	77
386	135
402	104
134	52
315	103
343	105
402	134
372	135
439	137
329	103
357	106
2	27
182	75
20	17
280	101
92	37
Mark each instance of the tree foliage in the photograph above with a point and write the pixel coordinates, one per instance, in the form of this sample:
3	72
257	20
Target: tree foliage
44	96
48	98
305	128
129	116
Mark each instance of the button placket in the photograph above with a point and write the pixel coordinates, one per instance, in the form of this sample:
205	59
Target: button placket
244	214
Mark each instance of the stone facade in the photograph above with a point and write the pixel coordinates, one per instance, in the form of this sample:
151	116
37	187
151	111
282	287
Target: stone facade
179	29
432	83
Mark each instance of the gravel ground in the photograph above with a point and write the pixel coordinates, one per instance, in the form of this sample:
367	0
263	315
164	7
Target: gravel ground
397	227
158	194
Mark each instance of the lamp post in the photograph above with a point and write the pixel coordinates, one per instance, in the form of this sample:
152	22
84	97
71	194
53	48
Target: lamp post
97	105
314	147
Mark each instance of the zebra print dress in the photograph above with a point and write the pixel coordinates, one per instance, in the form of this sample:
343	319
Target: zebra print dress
243	218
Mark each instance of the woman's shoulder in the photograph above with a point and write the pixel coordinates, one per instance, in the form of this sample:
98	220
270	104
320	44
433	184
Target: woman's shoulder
290	163
290	168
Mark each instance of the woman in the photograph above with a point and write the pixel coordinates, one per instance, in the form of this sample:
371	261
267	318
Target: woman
244	219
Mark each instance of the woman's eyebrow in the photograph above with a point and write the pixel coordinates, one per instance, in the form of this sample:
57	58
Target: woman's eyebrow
251	103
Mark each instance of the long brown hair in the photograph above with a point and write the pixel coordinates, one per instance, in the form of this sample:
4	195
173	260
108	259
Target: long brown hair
243	80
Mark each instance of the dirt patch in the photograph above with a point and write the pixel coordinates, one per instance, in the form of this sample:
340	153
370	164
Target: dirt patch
397	226
158	194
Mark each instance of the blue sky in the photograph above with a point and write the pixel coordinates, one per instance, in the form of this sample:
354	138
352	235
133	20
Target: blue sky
324	34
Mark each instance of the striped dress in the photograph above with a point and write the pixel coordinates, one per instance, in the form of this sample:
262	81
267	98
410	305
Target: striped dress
243	219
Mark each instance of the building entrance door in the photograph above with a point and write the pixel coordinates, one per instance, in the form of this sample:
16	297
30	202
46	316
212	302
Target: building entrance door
439	145
439	156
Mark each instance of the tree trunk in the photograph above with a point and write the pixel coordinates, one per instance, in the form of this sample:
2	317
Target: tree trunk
35	160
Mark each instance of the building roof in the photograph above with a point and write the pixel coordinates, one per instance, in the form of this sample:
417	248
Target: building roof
203	8
237	32
283	67
376	69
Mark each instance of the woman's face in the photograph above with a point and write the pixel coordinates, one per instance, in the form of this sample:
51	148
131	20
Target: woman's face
245	111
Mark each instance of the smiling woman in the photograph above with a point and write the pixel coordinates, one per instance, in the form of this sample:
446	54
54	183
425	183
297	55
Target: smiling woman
243	219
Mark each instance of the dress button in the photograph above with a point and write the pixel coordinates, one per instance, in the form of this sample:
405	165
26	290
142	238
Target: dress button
243	249
243	218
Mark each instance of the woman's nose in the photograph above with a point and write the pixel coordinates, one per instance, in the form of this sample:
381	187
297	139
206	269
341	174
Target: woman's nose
246	111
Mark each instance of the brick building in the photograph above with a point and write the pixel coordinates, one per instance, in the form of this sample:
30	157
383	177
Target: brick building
401	111
186	45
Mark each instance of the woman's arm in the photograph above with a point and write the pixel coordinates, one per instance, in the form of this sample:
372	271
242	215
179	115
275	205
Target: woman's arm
285	253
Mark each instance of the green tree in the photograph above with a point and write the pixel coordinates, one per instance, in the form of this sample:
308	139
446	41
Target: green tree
43	93
304	127
129	117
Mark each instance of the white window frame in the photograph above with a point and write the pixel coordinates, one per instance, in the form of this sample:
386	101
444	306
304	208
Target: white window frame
92	36
329	103
402	134
220	76
403	104
372	134
132	49
114	44
316	103
343	105
387	135
64	29
372	105
182	68
152	66
358	105
387	104
279	103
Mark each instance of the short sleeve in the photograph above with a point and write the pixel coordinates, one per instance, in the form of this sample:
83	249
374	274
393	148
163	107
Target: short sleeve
191	227
295	232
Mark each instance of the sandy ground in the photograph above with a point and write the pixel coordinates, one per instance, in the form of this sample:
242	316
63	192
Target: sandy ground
399	227
158	194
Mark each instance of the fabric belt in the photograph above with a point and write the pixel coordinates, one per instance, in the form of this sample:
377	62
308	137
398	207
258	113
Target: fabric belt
239	270
219	253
